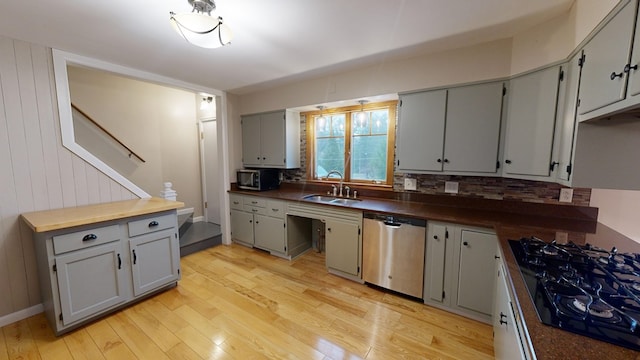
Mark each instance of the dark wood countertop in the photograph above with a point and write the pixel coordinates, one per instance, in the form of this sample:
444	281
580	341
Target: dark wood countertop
547	222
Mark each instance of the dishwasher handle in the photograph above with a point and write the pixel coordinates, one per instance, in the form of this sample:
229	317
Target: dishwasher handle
392	223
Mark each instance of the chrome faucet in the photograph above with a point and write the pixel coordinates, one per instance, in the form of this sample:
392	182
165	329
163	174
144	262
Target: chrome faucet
341	177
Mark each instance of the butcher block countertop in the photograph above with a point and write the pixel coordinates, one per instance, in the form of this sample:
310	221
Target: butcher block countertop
48	220
510	220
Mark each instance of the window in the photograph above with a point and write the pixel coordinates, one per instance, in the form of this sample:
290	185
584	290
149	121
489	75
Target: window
357	143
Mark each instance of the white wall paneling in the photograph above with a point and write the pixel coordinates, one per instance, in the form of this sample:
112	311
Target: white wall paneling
38	173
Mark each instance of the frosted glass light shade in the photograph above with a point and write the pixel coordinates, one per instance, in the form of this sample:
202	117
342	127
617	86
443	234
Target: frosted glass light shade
201	30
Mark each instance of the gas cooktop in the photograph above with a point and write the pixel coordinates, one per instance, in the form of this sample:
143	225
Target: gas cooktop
583	289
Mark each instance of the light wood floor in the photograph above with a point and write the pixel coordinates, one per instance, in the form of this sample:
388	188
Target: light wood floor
238	303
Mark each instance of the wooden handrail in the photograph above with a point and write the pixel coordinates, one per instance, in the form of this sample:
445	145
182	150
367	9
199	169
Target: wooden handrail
131	152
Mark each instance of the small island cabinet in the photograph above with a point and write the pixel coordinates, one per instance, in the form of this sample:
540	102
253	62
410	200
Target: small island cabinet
95	259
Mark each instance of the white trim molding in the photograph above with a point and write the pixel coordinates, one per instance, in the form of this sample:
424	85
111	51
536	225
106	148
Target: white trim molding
20	315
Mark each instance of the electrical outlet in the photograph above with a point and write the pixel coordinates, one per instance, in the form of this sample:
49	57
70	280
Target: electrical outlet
451	187
410	184
566	195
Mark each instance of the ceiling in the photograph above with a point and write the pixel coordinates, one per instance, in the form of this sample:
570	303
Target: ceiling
275	41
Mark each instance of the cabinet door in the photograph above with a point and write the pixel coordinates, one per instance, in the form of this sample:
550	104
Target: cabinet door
90	280
155	260
472	136
531	123
477	250
603	79
242	226
273	139
251	154
633	88
421	131
342	244
506	340
568	118
435	263
269	233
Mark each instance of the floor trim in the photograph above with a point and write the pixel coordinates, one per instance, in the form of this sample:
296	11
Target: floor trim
19	315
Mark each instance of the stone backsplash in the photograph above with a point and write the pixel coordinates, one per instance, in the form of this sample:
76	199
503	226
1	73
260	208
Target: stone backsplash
496	188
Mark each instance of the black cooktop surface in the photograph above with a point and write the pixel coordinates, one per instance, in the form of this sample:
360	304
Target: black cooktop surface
583	289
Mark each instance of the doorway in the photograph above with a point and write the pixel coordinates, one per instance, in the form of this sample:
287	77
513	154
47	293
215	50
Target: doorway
211	169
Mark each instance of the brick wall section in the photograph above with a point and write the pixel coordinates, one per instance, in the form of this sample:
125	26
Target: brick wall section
497	188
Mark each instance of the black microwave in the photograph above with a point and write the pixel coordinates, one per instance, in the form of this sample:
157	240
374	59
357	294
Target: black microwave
258	179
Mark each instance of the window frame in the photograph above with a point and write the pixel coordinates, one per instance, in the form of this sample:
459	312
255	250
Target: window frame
390	106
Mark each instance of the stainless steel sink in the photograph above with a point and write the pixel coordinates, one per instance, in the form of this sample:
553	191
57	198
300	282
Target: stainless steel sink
344	201
331	199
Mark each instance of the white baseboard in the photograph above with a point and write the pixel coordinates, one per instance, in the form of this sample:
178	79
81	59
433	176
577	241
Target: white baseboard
198	218
185	211
22	314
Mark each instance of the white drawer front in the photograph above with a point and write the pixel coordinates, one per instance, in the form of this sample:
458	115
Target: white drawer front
275	209
86	238
254	201
236	202
151	224
255	210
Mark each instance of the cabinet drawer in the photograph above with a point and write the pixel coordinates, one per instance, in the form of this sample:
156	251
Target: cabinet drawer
86	238
235	201
255	210
254	201
275	209
151	224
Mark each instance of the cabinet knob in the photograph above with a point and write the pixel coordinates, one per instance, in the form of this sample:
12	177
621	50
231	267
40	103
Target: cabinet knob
446	160
496	257
329	229
435	237
465	243
153	224
507	161
614	75
628	67
264	158
439	160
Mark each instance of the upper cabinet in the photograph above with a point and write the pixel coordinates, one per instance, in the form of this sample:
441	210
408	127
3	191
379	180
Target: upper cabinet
609	79
271	140
531	124
455	130
567	129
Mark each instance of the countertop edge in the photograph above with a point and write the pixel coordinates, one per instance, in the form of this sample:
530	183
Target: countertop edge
57	219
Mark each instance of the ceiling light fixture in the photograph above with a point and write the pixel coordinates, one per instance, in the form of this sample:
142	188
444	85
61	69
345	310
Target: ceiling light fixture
205	102
362	116
200	28
321	120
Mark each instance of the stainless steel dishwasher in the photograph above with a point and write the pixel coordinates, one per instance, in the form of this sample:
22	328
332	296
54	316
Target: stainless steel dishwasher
393	253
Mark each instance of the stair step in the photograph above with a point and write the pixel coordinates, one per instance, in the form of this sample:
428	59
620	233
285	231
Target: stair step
199	236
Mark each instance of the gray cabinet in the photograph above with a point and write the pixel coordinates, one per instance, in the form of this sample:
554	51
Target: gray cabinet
343	235
89	270
531	123
90	280
343	246
421	130
604	79
454	253
269	228
455	130
259	222
566	128
155	260
508	338
271	140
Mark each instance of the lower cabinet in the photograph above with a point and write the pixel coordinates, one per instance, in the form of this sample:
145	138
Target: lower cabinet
454	255
343	246
259	222
508	340
89	270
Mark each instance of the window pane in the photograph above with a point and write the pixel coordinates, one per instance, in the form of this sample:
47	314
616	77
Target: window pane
322	126
379	121
337	125
360	123
369	158
329	156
